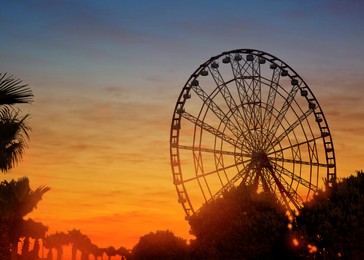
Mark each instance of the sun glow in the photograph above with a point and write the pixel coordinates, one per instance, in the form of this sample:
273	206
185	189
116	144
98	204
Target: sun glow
295	242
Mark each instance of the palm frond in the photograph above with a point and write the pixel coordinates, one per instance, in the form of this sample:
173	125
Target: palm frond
21	188
30	201
12	91
13	137
39	192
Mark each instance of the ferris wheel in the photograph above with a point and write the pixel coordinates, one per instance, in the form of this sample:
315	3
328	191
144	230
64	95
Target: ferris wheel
246	117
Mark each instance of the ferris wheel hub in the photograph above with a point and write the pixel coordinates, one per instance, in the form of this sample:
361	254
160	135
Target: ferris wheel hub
261	160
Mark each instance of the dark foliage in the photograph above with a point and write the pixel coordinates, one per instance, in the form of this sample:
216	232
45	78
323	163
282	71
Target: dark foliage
160	245
13	127
243	224
333	220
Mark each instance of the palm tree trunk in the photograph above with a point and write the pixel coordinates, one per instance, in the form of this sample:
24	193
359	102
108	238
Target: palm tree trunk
4	240
59	253
74	252
50	254
14	250
14	255
34	253
83	255
25	249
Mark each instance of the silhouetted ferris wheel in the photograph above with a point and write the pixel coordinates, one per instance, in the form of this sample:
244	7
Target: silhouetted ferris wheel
245	116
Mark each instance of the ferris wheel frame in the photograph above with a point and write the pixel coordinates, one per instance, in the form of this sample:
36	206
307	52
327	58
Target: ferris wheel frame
258	160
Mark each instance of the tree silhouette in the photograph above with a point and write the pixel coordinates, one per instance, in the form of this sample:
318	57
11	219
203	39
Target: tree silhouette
123	252
27	229
243	224
75	237
12	91
333	220
13	137
85	247
160	245
13	127
16	201
57	241
110	251
96	251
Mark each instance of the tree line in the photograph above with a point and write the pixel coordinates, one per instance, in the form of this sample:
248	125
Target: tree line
241	224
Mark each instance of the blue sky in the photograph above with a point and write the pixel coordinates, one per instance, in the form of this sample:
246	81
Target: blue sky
58	36
106	76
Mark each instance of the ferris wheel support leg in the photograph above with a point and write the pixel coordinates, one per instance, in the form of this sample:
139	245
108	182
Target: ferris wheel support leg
282	189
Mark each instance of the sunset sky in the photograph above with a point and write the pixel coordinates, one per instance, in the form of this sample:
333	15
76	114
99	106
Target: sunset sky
106	76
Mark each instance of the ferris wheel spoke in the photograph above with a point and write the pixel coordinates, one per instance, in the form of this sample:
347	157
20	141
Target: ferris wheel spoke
284	195
209	102
243	88
219	163
243	172
267	117
214	151
240	73
295	145
251	91
249	135
209	128
245	175
285	192
255	89
290	129
198	164
295	177
202	175
268	180
265	182
225	92
214	131
282	113
242	139
298	162
229	100
292	191
257	175
294	197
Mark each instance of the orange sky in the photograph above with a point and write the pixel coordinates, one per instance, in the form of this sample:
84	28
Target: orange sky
105	89
108	170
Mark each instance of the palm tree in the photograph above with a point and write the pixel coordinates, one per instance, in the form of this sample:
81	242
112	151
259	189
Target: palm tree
110	251
26	229
50	244
75	237
85	247
80	242
16	201
13	137
57	241
35	230
96	251
13	127
123	252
